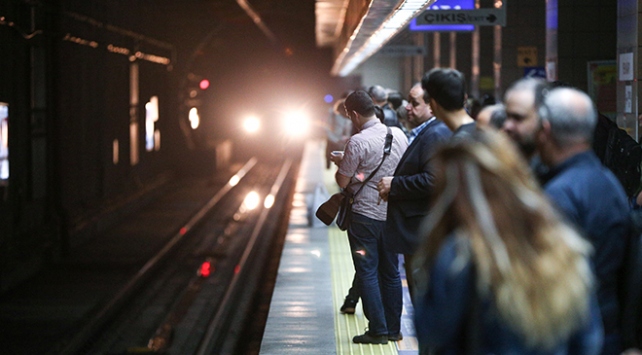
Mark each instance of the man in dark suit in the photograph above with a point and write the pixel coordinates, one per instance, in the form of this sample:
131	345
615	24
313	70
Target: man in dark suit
408	192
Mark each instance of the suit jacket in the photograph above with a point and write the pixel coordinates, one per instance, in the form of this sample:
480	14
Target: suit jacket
411	189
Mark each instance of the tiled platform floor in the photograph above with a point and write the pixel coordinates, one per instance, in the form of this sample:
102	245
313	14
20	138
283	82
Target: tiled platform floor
314	276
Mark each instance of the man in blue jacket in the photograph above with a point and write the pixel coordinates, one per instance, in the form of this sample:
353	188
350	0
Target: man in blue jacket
408	191
588	194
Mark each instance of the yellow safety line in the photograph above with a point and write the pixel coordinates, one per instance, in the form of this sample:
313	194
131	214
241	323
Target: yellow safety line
347	326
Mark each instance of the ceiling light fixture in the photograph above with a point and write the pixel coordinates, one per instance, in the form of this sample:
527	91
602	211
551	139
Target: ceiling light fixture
395	22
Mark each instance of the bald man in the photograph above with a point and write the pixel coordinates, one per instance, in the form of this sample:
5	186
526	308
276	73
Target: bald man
587	193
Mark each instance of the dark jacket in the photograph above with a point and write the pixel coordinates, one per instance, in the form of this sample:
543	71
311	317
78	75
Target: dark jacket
411	189
443	310
592	198
390	117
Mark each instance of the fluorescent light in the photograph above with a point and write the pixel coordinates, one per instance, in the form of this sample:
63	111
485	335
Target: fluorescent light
398	19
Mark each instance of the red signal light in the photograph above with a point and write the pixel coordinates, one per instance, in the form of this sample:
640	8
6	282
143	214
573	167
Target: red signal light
204	84
206	269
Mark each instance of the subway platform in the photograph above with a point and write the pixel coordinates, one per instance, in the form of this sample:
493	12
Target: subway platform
314	276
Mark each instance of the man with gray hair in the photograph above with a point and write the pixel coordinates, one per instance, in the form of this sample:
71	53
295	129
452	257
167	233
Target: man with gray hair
587	193
379	96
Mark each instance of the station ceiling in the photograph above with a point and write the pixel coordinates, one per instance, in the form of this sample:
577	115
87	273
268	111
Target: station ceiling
356	29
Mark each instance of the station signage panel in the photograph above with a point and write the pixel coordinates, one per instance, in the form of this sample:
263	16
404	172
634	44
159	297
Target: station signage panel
535	72
478	17
445	5
527	56
402	51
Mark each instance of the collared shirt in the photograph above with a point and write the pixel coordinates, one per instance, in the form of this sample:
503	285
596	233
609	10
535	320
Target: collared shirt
362	155
415	131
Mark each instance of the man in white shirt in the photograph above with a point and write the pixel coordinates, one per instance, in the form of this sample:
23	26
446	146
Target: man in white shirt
377	270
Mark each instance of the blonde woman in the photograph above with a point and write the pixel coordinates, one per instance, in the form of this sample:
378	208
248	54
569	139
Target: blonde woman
497	271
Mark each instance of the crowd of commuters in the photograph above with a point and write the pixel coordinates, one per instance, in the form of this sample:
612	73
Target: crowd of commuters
495	250
513	233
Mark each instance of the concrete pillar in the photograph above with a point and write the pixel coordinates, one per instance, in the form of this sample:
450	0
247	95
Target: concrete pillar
497	53
418	60
497	61
436	44
474	75
407	74
474	60
628	65
551	40
453	50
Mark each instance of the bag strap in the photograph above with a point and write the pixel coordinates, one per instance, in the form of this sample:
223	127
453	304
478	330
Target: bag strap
387	148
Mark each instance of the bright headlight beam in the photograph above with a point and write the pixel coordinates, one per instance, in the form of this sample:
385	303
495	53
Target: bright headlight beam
269	201
296	123
252	200
251	124
194	118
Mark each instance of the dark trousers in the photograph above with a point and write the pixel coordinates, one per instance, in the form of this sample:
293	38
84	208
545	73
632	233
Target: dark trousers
407	264
377	273
353	292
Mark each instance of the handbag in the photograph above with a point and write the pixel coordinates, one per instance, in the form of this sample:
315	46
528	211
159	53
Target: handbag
344	218
328	210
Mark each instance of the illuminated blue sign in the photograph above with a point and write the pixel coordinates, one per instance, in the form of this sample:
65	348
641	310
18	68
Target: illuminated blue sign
535	72
446	5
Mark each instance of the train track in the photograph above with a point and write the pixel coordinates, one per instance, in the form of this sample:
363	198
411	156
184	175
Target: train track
195	295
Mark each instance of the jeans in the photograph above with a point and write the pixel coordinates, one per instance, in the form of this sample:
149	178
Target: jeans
353	292
377	273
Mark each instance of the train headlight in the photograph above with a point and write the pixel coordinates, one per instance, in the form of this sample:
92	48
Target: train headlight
194	118
251	124
296	123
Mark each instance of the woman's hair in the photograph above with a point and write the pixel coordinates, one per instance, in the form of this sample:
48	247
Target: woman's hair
530	264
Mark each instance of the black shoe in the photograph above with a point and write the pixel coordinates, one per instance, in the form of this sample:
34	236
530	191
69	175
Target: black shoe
395	337
368	338
349	306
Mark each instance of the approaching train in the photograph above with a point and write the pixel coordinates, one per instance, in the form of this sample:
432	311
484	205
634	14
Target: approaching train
99	105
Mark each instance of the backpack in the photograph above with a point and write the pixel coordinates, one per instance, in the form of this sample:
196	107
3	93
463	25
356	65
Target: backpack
622	155
631	294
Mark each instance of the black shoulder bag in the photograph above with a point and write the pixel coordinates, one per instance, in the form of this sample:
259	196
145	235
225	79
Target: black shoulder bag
344	218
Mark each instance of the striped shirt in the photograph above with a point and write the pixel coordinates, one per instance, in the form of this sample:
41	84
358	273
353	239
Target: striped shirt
362	154
415	131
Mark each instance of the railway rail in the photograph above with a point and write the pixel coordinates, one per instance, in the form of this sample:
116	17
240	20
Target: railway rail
194	295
